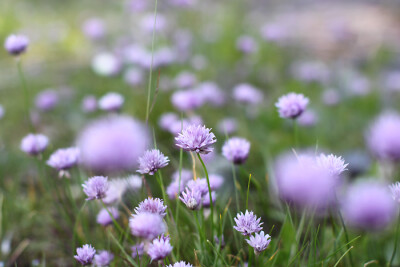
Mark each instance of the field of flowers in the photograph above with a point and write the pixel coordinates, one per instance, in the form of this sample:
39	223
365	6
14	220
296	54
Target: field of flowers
199	133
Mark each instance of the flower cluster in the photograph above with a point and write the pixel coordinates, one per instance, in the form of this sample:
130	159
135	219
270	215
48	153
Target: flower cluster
152	161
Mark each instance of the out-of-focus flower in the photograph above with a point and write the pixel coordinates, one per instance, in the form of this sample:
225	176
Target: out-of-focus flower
247	94
206	199
392	81
334	164
159	248
134	76
330	97
93	28
147	225
311	71
152	161
308	118
368	205
247	223
382	137
187	99
137	250
34	144
185	79
64	158
47	100
85	254
199	184
211	93
359	85
104	218
113	143
395	189
117	188
89	103
183	3
259	242
104	258
137	5
152	205
147	23
246	44
173	190
167	119
111	101
227	126
196	138
180	264
236	150
177	126
96	187
191	198
106	64
274	32
2	111
216	181
291	105
16	44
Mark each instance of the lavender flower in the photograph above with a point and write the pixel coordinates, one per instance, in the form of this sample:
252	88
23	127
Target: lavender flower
85	254
16	44
104	218
196	138
259	242
47	100
247	94
96	187
311	71
64	158
187	99
211	93
199	185
117	188
34	144
137	250
180	264
291	105
334	164
247	223
104	258
93	28
152	161
206	199
134	76
174	187
89	103
147	225
246	44
227	126
185	79
111	102
167	119
308	118
152	205
236	150
216	181
159	248
192	198
395	189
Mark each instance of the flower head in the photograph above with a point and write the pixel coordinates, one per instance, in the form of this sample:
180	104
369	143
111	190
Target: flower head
152	205
137	250
104	218
180	264
199	185
34	144
395	189
334	164
227	126
147	225
174	188
236	150
206	199
104	258
85	254
89	103
247	223
192	198
259	242
152	161
111	102
159	248
64	158
16	44
291	105
247	94
196	138
96	187
47	100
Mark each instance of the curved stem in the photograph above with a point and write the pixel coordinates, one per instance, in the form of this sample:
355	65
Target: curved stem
209	194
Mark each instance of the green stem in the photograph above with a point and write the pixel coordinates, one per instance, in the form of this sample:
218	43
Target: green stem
247	196
235	186
200	232
209	194
113	219
347	238
395	242
296	133
178	204
26	93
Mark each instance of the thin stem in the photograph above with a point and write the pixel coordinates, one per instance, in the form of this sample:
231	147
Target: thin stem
209	194
347	238
199	230
160	182
296	133
395	241
235	186
247	196
26	92
112	217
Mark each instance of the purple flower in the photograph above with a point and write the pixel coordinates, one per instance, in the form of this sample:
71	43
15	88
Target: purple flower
311	71
137	250
93	28
167	119
227	126
185	79
34	144
89	103
206	199
152	205
216	181
85	254
395	189
236	150
96	187
152	161
334	164
259	242
16	44
47	100
180	264
104	258
173	188
368	205
64	158
106	64
111	102
147	23
211	93
246	44
199	185
189	99
134	76
291	105
247	94
117	188
192	198
159	248
383	137
308	118
177	126
274	32
247	223
104	218
330	97
113	143
147	225
196	138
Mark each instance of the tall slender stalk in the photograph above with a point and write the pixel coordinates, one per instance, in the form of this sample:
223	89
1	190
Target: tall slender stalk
296	133
209	194
395	241
235	186
347	238
26	92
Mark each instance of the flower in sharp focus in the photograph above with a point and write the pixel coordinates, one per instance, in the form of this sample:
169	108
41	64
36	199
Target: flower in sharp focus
334	164
85	254
236	150
147	225
16	44
196	138
34	144
152	161
137	250
104	258
64	158
104	218
111	102
395	189
291	105
159	248
152	205
96	187
191	198
259	242
180	264
247	223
